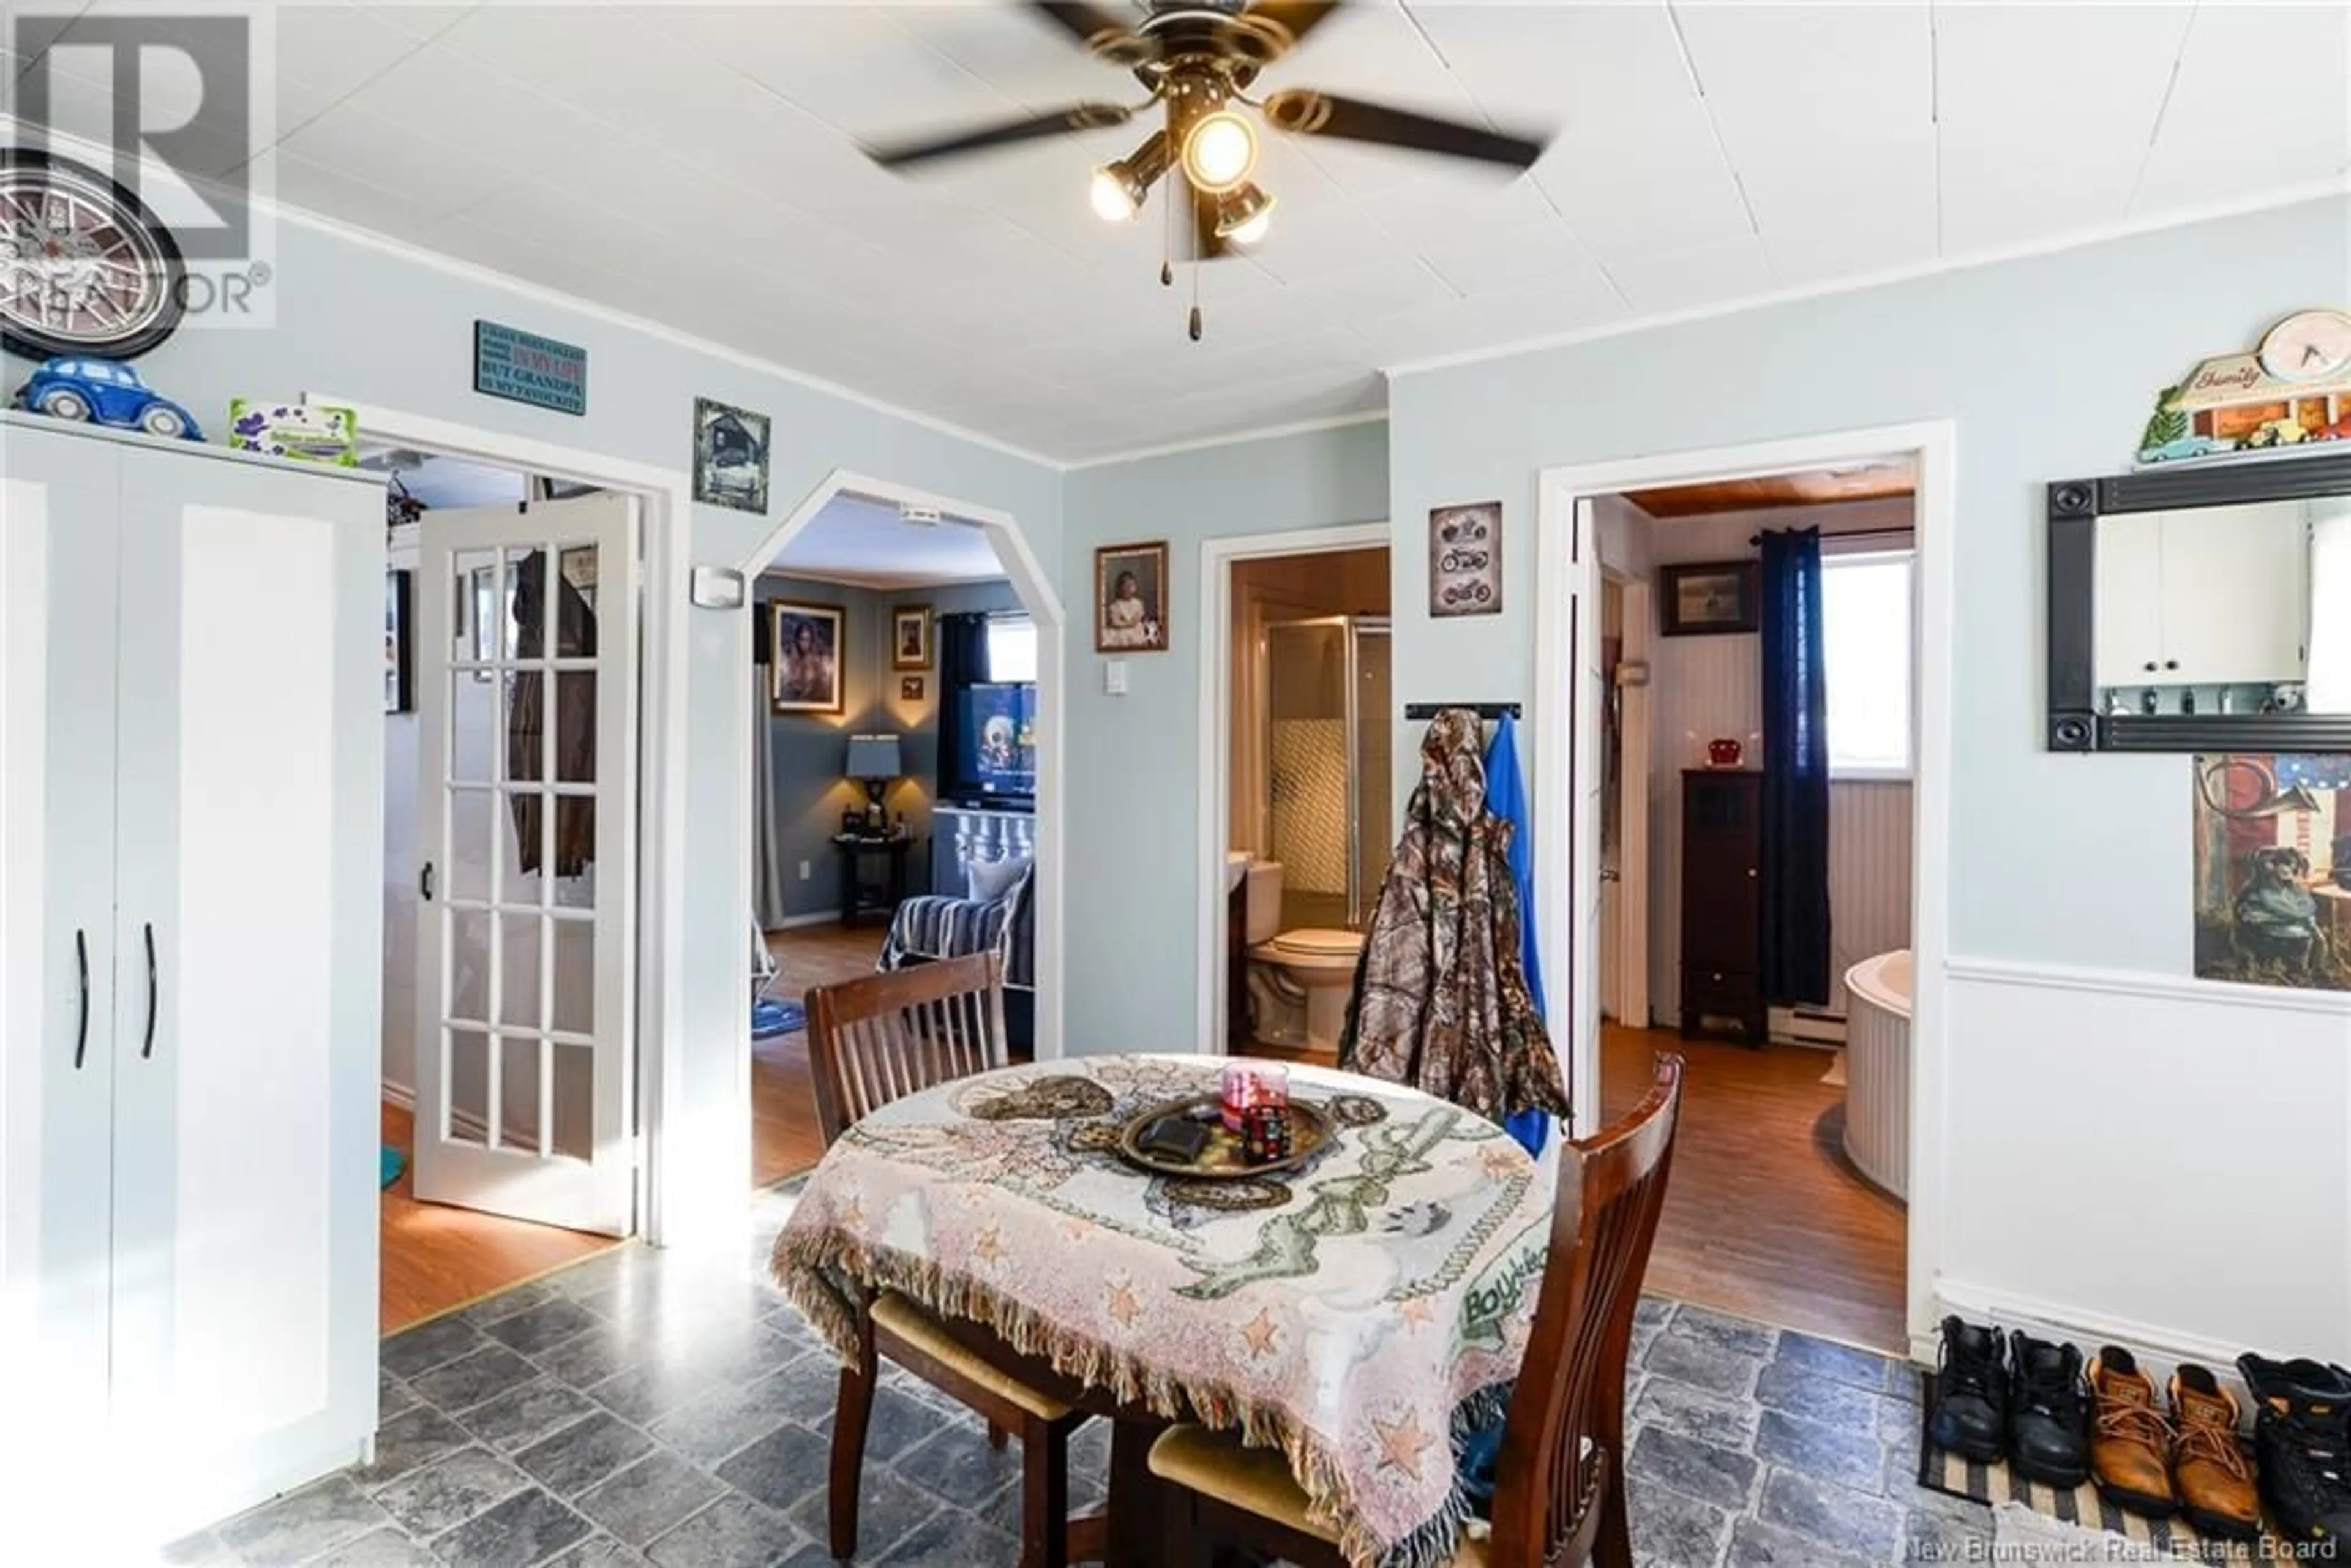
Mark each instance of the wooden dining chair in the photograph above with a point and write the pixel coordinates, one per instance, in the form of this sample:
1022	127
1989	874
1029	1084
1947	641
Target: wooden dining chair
876	1040
1559	1493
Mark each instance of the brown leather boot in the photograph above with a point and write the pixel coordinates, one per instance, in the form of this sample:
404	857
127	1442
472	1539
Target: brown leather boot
2130	1443
2208	1467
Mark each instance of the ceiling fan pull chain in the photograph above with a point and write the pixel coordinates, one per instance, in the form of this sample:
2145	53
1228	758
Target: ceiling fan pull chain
1195	323
1167	246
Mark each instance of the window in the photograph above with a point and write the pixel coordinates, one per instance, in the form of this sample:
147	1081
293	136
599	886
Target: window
1012	648
1866	645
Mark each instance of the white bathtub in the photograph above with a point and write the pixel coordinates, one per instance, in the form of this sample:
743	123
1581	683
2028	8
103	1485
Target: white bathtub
1877	1069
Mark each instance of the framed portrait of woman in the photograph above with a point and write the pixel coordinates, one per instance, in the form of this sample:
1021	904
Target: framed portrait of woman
804	661
910	637
1131	599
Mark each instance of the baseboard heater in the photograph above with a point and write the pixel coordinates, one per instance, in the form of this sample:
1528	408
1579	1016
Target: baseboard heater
1805	1026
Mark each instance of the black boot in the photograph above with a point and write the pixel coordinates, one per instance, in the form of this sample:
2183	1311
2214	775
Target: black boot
2049	1413
1971	1393
2302	1440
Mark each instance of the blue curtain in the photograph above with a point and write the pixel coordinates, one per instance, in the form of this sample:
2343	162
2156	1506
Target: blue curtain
1795	870
963	662
1506	797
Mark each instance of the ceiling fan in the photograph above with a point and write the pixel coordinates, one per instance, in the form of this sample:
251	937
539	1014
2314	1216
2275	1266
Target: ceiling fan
1198	59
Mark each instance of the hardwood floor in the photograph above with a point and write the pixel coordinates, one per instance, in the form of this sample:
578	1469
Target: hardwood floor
1764	1216
784	1136
436	1258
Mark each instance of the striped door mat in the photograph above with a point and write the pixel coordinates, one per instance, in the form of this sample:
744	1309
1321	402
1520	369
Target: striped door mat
2169	1540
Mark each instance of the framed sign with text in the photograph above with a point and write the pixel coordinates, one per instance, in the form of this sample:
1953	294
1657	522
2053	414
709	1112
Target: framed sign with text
523	367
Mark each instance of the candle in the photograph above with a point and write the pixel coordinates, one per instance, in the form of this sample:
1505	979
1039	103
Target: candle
1245	1084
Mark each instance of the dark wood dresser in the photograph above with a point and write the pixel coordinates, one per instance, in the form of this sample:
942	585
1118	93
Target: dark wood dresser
1722	907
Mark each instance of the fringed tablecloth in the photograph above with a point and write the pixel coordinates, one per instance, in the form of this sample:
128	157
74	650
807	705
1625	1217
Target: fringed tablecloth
1362	1313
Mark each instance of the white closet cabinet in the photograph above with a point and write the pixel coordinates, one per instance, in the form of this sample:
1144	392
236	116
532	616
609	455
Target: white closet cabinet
2203	596
191	743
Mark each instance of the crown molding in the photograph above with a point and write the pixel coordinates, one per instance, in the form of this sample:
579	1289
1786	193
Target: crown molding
2291	196
1231	438
474	272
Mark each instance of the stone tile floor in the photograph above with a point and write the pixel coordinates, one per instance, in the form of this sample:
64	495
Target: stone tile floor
671	1408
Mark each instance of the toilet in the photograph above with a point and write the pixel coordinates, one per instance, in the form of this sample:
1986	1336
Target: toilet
1298	980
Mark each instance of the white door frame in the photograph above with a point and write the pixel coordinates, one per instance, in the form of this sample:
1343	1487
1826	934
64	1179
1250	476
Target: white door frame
1035	593
1632	802
1933	446
1214	636
666	496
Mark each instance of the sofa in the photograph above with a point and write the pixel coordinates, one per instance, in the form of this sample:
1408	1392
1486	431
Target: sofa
998	914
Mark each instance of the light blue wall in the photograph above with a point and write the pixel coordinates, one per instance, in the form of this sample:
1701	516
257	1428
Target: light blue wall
2086	1080
811	749
2049	366
392	329
1134	768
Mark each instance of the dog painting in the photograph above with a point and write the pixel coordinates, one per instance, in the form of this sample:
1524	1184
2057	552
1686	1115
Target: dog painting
2273	870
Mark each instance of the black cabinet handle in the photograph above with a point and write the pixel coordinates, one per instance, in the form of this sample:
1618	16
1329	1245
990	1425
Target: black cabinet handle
2171	664
2150	663
424	883
81	971
147	1048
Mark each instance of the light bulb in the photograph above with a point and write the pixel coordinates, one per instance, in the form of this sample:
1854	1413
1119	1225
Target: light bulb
1114	201
1220	151
1244	214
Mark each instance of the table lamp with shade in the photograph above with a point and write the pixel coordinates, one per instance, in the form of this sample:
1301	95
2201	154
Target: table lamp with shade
875	761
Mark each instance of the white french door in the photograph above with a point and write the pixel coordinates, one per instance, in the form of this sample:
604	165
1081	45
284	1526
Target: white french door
525	684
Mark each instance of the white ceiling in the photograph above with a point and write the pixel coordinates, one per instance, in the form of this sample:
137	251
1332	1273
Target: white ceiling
859	541
698	165
444	482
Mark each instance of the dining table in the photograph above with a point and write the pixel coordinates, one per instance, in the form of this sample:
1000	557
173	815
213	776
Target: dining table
1360	1311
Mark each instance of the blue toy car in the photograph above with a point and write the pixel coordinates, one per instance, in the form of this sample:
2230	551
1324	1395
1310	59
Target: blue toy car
104	392
2183	447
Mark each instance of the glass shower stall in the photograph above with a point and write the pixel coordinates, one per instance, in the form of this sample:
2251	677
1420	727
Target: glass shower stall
1327	743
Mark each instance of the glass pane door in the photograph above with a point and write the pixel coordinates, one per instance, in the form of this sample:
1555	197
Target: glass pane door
527	771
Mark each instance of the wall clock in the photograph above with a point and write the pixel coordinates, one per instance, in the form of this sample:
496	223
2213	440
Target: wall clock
85	268
2308	345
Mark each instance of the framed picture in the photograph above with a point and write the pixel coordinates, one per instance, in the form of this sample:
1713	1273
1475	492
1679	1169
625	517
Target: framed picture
399	680
1465	559
804	670
730	455
1131	599
2273	859
910	688
1702	598
910	637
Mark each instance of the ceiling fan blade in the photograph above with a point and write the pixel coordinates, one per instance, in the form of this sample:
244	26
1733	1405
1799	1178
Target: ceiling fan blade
1296	18
1077	117
1099	30
1305	113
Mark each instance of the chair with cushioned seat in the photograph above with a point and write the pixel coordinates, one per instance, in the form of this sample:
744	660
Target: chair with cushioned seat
871	1041
1559	1498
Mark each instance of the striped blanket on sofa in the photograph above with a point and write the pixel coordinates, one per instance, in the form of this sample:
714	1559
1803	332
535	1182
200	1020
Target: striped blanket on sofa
933	925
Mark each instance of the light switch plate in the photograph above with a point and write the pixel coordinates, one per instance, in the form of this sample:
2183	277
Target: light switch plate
1114	678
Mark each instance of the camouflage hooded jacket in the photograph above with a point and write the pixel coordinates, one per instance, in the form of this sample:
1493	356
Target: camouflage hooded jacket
1441	1001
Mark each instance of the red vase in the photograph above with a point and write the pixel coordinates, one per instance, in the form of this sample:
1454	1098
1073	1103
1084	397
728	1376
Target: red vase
1723	753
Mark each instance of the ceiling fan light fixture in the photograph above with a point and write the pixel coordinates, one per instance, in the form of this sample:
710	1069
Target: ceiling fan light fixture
1244	214
1119	189
1114	194
1219	152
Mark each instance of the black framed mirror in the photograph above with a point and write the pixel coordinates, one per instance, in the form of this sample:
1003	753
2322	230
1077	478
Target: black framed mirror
2205	609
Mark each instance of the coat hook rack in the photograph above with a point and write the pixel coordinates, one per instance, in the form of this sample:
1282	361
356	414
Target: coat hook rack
1423	712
